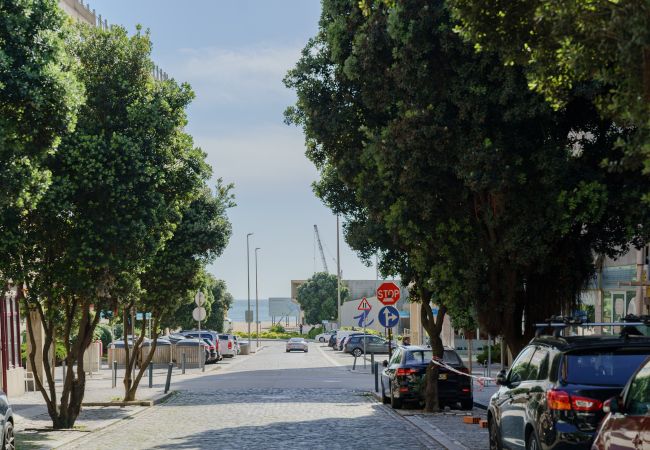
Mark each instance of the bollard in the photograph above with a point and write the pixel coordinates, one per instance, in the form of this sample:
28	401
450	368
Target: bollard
376	367
150	375
354	364
372	363
183	363
169	377
114	373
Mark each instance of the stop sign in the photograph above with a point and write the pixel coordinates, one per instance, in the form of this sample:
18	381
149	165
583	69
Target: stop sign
388	293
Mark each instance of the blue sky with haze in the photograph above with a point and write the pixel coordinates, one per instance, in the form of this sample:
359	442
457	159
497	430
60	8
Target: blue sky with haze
235	54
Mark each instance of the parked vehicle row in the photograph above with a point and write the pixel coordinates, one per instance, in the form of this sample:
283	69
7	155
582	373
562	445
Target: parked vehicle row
217	345
575	392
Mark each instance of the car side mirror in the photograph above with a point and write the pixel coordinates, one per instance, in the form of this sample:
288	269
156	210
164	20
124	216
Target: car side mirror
502	379
613	405
384	363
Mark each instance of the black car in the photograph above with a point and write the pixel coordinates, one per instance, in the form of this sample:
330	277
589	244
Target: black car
402	379
332	341
552	396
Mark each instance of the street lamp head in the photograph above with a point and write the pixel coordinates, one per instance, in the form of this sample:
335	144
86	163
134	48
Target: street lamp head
257	248
249	234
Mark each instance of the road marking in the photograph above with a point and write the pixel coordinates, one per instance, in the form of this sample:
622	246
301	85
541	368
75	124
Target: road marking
330	359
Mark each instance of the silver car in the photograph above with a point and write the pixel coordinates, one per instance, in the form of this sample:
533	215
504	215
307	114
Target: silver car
297	344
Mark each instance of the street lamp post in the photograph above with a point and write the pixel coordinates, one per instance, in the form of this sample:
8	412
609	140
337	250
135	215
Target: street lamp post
248	275
257	303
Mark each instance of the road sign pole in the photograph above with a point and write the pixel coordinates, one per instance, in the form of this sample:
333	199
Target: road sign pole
390	343
365	319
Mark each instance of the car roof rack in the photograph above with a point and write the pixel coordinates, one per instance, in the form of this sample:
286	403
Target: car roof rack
559	323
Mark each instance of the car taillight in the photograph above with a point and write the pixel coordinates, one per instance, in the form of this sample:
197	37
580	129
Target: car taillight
229	345
403	372
558	400
563	401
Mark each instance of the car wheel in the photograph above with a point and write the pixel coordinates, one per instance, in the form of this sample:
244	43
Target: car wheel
467	405
287	351
495	436
9	438
357	352
306	350
532	443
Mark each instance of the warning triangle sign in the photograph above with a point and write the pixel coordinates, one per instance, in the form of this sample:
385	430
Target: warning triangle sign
364	305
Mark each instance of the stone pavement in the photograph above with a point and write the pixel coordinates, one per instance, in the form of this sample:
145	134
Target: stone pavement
280	400
34	426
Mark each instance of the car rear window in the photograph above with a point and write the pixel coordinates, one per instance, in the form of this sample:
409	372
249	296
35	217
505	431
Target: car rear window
223	336
424	356
295	340
602	368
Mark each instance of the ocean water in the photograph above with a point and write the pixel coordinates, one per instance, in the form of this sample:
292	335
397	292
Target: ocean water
238	311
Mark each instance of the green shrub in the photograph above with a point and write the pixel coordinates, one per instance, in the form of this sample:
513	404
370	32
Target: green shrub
277	328
482	357
314	331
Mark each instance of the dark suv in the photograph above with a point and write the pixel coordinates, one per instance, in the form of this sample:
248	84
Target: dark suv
552	396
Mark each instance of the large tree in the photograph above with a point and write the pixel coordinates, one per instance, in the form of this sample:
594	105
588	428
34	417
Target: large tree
494	200
317	298
39	98
564	43
176	272
119	184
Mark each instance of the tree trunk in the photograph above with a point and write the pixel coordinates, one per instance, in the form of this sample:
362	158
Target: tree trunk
130	393
65	413
433	326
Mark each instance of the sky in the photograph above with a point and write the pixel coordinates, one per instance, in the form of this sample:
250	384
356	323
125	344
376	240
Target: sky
234	54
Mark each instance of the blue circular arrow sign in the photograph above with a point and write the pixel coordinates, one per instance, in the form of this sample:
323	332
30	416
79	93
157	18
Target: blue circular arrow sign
388	316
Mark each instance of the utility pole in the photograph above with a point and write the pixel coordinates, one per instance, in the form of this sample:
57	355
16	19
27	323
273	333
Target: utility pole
248	271
338	275
257	304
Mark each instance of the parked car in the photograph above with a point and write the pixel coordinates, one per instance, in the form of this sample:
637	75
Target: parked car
402	379
552	397
213	354
323	337
227	346
332	341
297	343
627	423
8	437
205	334
174	337
341	343
374	344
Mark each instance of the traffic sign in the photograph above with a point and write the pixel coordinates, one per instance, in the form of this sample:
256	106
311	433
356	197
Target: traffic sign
199	313
199	299
388	293
388	316
364	305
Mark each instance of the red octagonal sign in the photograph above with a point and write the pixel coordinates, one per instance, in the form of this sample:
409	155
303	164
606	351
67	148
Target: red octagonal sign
388	293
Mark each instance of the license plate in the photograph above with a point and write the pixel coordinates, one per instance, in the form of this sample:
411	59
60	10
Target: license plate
442	376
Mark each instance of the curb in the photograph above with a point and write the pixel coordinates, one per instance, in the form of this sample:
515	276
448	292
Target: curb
154	401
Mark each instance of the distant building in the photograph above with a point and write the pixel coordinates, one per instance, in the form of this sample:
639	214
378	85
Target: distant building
77	10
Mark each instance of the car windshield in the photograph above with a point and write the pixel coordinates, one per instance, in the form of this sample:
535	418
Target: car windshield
603	368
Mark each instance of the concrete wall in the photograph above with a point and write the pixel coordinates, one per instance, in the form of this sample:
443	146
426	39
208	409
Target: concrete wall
77	10
15	382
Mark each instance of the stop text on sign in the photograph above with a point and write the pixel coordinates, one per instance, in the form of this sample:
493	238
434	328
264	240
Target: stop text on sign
388	293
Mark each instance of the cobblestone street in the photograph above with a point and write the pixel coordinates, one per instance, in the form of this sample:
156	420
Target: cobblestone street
275	400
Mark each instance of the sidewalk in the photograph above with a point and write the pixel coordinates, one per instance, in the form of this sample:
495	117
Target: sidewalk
33	424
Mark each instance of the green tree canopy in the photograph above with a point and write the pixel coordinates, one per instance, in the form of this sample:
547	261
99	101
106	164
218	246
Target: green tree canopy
317	297
565	44
39	97
444	157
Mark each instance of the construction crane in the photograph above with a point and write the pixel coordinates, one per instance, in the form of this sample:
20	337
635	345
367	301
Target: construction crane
320	247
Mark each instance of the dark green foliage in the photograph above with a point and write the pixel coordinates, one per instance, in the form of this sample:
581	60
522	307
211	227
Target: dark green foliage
104	333
277	328
482	357
314	332
317	298
565	44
